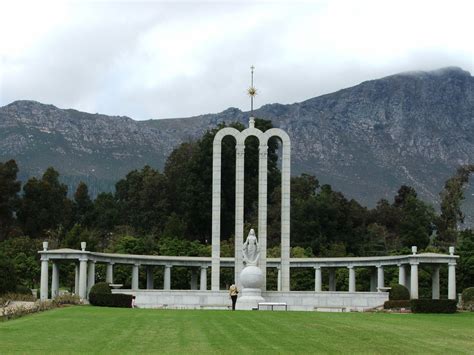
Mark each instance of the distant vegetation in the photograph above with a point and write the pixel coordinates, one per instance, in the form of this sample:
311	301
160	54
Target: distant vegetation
169	213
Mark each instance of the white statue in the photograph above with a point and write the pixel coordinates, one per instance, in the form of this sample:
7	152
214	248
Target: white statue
250	249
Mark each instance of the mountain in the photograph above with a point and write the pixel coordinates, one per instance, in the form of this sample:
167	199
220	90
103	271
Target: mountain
412	128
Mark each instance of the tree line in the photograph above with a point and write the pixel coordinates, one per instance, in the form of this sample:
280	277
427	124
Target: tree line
169	212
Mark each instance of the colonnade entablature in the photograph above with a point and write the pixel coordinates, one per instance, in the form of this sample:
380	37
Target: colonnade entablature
86	261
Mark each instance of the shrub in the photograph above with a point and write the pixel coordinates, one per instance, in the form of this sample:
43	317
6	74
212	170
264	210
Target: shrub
67	299
468	299
398	292
23	290
396	304
101	288
21	310
7	275
10	296
433	306
111	300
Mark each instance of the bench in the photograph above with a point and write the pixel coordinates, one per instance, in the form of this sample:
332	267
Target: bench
272	304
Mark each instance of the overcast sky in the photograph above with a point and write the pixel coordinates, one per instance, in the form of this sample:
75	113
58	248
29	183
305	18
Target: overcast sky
160	59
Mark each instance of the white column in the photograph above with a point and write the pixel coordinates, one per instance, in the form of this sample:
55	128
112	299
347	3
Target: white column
194	280
44	278
203	283
452	280
262	210
380	277
216	214
435	283
167	281
414	280
239	212
83	278
373	280
135	275
76	279
285	216
317	279
279	279
402	276
149	278
55	281
110	273
352	279
332	279
90	276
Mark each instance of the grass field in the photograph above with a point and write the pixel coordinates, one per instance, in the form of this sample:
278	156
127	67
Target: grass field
114	330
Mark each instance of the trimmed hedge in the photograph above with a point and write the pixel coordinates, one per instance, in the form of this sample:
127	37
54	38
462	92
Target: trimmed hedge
111	300
468	299
398	292
433	306
101	288
468	294
396	304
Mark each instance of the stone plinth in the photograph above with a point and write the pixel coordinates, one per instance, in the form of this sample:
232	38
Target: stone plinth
252	280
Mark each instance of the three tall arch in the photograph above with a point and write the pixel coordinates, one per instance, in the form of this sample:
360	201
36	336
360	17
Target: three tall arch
240	137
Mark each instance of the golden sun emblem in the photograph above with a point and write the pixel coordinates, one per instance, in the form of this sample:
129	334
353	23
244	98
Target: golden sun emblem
252	91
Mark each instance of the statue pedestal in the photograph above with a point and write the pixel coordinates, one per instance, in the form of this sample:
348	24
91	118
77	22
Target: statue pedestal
249	299
251	279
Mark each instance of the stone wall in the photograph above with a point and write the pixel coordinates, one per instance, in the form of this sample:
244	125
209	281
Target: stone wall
296	300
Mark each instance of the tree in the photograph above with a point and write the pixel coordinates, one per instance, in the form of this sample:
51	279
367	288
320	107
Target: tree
23	253
451	213
416	223
465	250
83	205
44	205
9	188
106	214
142	201
8	279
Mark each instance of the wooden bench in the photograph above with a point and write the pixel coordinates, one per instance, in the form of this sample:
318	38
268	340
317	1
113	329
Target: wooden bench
272	304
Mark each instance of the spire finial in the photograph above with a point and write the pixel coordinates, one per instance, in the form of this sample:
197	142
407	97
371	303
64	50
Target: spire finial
251	91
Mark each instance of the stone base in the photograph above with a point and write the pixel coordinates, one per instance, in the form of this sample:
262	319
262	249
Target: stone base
249	299
296	300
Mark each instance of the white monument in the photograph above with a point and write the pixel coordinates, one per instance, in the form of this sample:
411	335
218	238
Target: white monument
240	138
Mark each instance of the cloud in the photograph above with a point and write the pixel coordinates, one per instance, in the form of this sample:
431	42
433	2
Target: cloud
177	59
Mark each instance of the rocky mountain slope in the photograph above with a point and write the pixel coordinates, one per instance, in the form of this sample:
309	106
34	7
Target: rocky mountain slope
411	128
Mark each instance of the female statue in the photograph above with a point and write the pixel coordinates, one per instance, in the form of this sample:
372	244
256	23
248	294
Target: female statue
250	249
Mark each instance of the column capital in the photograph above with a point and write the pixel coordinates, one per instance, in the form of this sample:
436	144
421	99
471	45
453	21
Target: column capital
44	257
83	258
168	266
350	266
414	262
452	263
240	148
92	261
111	262
317	267
204	267
136	264
379	266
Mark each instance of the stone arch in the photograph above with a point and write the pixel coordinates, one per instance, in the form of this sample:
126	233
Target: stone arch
285	203
240	138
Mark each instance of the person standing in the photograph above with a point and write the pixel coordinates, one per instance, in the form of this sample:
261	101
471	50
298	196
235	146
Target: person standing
233	292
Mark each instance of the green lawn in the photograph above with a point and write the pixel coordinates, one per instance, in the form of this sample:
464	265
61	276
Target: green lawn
113	330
